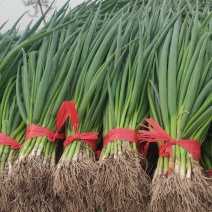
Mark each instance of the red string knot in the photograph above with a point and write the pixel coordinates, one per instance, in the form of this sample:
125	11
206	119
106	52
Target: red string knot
157	134
55	136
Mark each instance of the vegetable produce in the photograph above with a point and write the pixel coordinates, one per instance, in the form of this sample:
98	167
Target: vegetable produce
11	44
181	108
76	97
12	130
97	54
121	183
50	69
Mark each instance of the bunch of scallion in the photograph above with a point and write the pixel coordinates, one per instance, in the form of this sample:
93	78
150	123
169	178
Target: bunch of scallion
181	103
11	127
99	57
121	184
41	87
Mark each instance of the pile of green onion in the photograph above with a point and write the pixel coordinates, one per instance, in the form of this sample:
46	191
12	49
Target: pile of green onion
180	102
117	68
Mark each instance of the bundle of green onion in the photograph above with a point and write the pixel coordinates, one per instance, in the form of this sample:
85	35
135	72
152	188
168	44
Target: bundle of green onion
42	83
121	183
12	131
75	190
181	103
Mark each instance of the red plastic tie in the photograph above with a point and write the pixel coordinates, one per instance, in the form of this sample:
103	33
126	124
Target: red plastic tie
157	134
8	141
34	131
89	138
121	134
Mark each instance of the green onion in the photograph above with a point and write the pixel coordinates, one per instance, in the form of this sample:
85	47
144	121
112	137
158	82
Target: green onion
12	125
180	102
78	158
11	44
41	87
121	183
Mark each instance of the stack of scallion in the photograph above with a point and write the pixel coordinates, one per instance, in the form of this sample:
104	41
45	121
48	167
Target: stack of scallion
41	87
100	54
181	103
121	183
89	80
12	131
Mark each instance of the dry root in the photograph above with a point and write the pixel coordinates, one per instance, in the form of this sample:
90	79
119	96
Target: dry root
6	193
121	184
73	185
172	193
31	184
3	193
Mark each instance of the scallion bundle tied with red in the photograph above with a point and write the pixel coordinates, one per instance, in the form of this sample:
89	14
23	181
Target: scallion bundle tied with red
179	94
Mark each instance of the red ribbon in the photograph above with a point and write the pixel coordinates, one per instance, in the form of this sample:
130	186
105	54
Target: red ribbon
34	131
8	141
89	138
121	134
157	134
